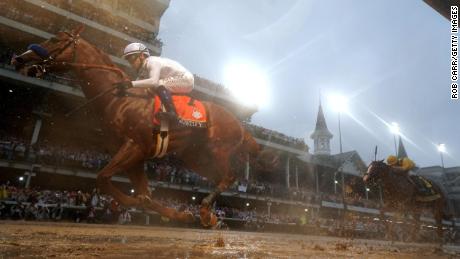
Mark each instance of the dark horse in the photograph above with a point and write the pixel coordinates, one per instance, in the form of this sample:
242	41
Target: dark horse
216	152
400	196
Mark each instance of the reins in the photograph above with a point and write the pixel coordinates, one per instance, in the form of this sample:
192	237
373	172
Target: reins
50	62
92	66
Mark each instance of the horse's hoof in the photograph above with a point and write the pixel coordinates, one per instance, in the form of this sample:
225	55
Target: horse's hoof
209	220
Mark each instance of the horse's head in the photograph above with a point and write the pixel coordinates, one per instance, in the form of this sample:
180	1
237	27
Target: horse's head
375	172
40	58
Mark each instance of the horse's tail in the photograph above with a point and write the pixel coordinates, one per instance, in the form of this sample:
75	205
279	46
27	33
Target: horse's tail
250	144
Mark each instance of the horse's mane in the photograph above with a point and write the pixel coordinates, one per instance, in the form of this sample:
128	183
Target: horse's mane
379	164
381	167
104	56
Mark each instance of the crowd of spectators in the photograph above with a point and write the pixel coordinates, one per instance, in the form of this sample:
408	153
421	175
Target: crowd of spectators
165	170
15	148
5	54
24	14
54	23
211	86
168	171
19	203
36	204
276	137
109	19
354	200
12	147
56	205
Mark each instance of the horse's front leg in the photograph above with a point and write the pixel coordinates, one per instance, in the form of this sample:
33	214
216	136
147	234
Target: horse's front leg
141	184
388	226
126	157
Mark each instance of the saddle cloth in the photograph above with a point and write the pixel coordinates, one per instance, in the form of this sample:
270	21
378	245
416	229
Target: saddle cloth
427	193
191	112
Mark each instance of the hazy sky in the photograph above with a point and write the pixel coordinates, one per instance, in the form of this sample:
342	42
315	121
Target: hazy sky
390	57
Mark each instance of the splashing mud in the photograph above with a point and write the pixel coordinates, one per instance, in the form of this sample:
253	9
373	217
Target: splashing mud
38	239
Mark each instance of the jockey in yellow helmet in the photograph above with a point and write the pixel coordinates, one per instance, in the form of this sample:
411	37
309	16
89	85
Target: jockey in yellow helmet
404	164
403	167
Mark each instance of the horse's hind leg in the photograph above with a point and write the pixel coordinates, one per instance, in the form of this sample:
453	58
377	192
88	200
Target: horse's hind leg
438	218
140	181
127	156
223	163
388	225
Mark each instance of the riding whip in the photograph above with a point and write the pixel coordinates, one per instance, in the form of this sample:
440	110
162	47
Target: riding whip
90	101
375	153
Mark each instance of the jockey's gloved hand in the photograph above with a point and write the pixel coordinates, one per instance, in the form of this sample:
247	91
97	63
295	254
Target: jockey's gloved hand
123	85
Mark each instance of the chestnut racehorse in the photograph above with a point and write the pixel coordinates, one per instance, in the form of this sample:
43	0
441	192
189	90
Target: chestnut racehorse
400	196
215	152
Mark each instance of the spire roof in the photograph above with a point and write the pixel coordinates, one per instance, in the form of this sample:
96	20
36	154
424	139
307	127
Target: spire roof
321	126
401	149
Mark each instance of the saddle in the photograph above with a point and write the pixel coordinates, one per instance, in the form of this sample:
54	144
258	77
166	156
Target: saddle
425	189
190	112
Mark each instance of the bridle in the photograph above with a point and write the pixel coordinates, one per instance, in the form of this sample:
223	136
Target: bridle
50	61
378	171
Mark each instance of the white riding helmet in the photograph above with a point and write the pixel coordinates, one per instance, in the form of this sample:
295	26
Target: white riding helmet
135	48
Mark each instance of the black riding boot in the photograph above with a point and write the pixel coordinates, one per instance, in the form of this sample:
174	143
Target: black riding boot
166	99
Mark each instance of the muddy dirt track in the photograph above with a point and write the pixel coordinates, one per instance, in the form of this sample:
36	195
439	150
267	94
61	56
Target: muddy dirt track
47	240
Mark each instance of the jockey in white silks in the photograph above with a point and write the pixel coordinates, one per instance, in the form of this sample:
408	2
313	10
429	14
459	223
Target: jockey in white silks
164	76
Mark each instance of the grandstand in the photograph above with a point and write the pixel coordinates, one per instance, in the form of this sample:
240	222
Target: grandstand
40	147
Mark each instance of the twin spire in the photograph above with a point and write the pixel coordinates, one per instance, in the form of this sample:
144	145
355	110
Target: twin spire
321	136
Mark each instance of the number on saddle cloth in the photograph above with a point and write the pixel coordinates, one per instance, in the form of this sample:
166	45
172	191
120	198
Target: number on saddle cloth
190	112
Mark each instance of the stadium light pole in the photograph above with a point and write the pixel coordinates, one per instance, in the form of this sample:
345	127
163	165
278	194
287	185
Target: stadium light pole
340	104
442	149
394	128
